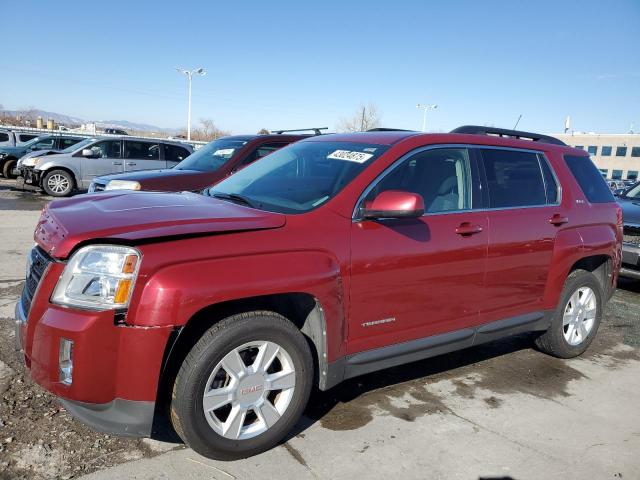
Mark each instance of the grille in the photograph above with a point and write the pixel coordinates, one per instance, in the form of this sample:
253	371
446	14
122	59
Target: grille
631	235
39	262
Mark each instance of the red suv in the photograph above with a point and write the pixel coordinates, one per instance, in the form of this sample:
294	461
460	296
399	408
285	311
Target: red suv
333	257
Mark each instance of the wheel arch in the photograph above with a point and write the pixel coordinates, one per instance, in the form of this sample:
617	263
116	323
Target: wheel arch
56	167
601	266
302	309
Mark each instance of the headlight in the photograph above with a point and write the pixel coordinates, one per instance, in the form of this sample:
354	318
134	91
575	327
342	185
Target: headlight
98	277
122	185
27	162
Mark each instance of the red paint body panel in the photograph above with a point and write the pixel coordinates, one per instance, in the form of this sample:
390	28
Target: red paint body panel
198	251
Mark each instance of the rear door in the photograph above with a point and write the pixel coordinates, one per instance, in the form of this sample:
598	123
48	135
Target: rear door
107	159
413	278
141	155
522	196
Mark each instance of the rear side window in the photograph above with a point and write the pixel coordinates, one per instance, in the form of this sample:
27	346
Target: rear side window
141	150
174	153
515	179
589	178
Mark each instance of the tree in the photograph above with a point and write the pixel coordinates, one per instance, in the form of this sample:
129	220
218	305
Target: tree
208	131
263	131
363	119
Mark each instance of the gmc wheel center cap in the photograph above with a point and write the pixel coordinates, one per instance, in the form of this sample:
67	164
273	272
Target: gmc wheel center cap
251	389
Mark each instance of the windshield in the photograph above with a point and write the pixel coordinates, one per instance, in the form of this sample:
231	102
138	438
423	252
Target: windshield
634	192
78	146
212	156
299	177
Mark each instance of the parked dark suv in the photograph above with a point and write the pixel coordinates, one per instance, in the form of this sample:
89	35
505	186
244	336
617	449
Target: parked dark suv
629	200
206	166
334	256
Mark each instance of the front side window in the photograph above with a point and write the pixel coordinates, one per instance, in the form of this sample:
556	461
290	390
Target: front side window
25	137
299	177
593	150
4	137
635	151
515	179
442	176
606	151
141	150
621	151
212	156
68	142
45	144
107	149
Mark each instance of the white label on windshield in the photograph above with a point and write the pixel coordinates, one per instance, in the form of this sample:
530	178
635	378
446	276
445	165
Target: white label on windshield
358	157
224	151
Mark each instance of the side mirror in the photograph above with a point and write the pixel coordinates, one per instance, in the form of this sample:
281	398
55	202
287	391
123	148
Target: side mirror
87	152
395	204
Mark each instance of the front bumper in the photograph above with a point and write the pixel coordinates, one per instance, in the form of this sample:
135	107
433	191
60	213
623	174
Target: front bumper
116	368
630	261
31	175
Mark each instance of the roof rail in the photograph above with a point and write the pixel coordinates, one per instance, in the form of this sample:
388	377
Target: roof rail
504	132
387	129
316	130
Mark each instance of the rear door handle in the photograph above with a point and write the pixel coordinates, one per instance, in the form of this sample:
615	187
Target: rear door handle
117	163
466	229
558	220
131	164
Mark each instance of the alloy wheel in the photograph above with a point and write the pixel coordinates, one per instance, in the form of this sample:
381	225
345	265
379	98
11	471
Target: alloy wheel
58	183
579	316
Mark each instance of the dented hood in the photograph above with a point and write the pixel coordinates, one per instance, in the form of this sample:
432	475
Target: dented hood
134	216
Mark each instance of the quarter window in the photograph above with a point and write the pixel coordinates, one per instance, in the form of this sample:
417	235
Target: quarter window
441	176
592	149
515	179
589	178
606	151
621	151
141	150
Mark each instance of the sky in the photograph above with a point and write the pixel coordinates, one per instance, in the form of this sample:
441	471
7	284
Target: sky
298	64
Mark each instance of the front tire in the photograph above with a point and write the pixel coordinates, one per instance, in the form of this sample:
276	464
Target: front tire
577	317
243	386
58	183
7	168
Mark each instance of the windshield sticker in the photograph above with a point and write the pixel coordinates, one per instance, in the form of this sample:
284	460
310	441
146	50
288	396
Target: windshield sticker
358	157
223	151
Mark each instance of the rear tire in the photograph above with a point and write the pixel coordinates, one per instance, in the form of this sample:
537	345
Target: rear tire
8	167
247	411
58	183
576	319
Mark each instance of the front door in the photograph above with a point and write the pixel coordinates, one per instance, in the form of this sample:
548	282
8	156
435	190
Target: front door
106	159
413	278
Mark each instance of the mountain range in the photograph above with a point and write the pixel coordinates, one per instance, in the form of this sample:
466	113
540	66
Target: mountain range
69	120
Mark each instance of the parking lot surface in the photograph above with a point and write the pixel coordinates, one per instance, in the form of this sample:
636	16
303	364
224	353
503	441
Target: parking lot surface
501	410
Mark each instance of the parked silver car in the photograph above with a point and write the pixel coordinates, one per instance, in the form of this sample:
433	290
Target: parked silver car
60	174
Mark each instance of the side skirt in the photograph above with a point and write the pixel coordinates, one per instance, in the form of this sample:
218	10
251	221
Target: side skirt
411	351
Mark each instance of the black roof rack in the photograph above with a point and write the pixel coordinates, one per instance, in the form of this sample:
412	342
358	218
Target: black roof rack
504	132
316	130
386	129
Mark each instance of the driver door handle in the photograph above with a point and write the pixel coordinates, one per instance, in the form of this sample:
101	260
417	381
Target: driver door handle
466	229
117	163
558	220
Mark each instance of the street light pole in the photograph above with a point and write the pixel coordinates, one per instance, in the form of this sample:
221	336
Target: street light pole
424	108
189	74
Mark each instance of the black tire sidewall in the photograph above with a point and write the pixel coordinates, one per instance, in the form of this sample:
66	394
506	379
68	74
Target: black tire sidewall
190	387
45	179
8	167
577	280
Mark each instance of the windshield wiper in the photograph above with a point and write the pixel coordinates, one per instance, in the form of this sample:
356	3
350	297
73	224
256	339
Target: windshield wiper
232	197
